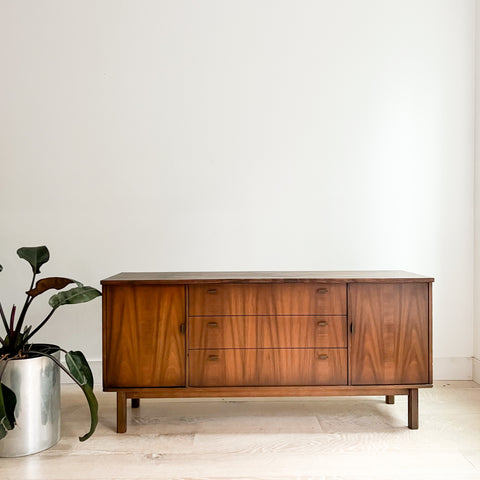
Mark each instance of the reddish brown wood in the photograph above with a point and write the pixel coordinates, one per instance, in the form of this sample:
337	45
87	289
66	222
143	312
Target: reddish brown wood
413	408
268	332
105	351
243	367
390	399
189	278
121	412
142	336
390	333
261	299
269	339
430	334
269	391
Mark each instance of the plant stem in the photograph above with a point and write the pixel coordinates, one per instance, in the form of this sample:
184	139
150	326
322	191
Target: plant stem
23	313
12	319
27	303
40	326
33	281
4	318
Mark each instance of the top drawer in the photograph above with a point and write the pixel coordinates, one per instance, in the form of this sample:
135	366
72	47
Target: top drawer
267	299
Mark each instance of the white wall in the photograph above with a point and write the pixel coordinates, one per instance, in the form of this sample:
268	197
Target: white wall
240	135
476	325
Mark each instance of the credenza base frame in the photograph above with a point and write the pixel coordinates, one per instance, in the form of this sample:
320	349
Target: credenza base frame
245	392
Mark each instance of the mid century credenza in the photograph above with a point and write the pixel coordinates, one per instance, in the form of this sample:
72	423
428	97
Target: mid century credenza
261	334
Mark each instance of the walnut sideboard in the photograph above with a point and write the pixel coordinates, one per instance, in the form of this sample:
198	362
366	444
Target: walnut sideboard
262	334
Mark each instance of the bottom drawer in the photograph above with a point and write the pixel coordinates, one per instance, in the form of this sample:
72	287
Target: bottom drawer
268	366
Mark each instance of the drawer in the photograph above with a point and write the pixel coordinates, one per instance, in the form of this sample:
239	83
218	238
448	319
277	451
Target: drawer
267	367
267	299
268	332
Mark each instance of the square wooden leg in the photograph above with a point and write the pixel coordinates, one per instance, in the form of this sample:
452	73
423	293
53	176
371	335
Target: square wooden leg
121	412
413	408
135	402
390	399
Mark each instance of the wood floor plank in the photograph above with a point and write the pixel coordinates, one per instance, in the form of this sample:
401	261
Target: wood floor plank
355	438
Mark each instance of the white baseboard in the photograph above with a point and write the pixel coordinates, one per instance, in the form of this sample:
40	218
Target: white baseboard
452	368
444	368
476	370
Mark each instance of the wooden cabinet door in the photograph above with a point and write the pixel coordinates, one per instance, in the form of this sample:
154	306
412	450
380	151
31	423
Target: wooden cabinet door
389	333
142	336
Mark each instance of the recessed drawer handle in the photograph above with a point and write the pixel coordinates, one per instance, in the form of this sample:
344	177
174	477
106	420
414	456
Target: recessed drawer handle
212	358
212	291
323	356
322	323
212	324
322	291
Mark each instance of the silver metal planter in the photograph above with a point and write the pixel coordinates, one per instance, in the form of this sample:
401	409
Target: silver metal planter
36	383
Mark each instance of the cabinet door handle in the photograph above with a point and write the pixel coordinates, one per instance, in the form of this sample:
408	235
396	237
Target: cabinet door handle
322	291
352	329
212	358
322	323
212	324
183	328
212	291
323	356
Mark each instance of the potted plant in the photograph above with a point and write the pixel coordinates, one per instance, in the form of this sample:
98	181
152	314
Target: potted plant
29	372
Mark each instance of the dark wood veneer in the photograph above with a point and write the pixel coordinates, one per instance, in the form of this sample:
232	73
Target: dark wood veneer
390	336
142	336
268	366
224	334
191	278
287	331
262	299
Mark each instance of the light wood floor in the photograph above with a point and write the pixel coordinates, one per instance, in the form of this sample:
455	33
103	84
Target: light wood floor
325	438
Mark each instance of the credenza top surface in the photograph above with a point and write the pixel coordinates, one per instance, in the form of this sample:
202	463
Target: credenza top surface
387	276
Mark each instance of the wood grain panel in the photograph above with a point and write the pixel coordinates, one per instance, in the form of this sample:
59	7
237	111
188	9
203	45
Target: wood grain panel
262	299
275	391
265	277
243	367
142	338
268	332
390	339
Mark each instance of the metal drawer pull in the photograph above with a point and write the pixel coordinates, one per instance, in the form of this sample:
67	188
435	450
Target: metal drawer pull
212	358
322	290
212	324
322	323
212	291
323	356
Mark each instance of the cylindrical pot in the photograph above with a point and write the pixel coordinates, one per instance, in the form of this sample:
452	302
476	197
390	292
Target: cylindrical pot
36	384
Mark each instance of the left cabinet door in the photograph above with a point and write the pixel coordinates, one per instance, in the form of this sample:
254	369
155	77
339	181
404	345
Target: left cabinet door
143	339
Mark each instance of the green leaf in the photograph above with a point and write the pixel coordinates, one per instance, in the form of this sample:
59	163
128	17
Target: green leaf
51	282
80	370
35	256
8	401
74	295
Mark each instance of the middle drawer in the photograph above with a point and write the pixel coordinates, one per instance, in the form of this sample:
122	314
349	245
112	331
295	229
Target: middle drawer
268	332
